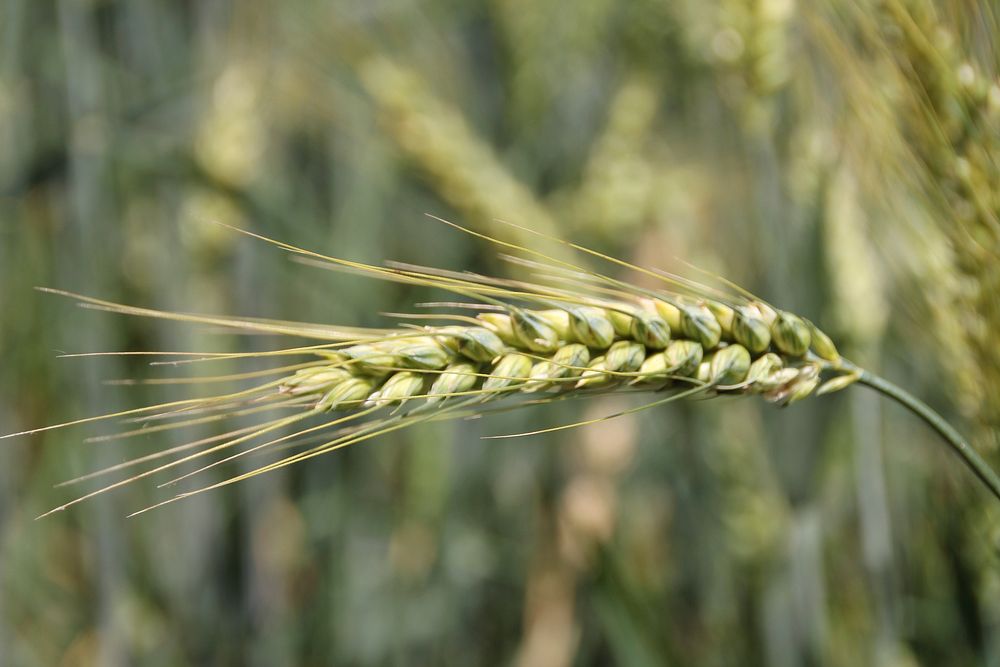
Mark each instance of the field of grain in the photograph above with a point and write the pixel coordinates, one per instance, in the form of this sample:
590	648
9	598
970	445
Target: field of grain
838	159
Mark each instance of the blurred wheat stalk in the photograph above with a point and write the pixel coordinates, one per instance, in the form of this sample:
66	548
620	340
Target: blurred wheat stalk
932	114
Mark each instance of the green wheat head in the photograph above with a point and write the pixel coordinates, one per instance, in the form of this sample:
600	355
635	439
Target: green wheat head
568	333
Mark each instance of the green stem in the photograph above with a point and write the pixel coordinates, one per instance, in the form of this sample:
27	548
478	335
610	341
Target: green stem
961	446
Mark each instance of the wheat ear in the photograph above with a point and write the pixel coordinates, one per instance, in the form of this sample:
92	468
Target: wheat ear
573	333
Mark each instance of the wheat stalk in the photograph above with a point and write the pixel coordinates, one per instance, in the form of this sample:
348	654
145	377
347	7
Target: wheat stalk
935	116
573	333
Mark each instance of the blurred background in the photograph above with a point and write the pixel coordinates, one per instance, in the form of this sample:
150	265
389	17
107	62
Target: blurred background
839	158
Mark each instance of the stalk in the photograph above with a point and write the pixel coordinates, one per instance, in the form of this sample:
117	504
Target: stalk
954	439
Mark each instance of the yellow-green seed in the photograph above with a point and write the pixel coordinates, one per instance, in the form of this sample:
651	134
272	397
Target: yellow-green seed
791	334
568	361
683	357
654	368
822	345
459	377
838	383
751	331
724	315
480	344
451	337
670	313
500	324
511	370
399	387
425	353
346	394
558	319
622	322
592	327
650	330
704	372
625	356
533	332
314	380
764	311
596	375
775	379
764	367
371	358
730	365
540	374
698	323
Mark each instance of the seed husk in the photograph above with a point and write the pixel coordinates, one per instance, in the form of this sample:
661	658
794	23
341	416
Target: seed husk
837	383
480	344
425	353
683	357
669	312
625	356
348	393
459	377
803	384
314	380
822	345
751	331
592	327
654	368
791	334
558	319
596	375
502	325
512	369
724	315
372	358
763	367
650	330
729	366
397	389
698	323
764	311
775	380
622	322
568	361
534	332
704	372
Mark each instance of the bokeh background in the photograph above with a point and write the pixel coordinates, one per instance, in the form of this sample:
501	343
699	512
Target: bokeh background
840	158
